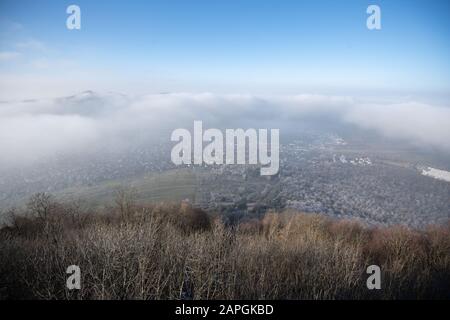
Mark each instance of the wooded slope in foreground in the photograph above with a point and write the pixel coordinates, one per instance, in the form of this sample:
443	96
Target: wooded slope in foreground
179	252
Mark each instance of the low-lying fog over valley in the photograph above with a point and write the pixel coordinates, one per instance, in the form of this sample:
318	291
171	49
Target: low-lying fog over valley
381	162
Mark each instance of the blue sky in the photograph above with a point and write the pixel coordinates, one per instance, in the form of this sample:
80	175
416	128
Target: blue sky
226	46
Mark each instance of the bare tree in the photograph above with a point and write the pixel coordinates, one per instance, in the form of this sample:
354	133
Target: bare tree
124	199
40	205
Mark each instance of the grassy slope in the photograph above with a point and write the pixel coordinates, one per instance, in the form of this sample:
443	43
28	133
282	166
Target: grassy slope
172	185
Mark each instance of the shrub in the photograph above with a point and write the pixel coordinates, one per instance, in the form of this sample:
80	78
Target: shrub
177	251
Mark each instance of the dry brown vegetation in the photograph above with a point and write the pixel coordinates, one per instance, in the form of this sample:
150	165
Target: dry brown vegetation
179	252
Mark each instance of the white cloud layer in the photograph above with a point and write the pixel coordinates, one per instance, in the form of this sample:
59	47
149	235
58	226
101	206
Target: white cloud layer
31	130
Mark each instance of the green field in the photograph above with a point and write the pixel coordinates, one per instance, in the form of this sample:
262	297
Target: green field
172	185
